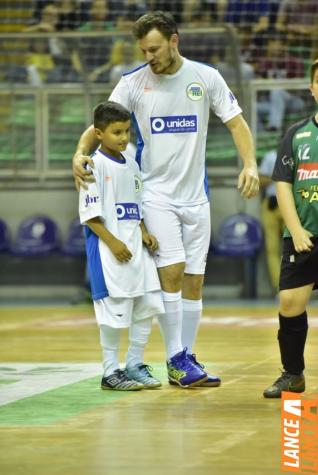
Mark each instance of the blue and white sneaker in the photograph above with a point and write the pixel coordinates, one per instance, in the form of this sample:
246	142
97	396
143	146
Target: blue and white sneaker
182	371
142	373
212	381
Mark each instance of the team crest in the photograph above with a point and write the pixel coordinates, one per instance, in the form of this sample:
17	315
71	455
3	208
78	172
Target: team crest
138	184
195	91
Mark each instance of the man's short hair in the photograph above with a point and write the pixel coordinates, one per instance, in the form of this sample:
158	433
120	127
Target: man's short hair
108	112
313	69
163	22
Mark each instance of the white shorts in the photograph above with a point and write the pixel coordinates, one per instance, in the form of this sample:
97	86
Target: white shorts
183	234
120	312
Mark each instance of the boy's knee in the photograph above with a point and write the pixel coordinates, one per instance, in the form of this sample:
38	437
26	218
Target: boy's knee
290	305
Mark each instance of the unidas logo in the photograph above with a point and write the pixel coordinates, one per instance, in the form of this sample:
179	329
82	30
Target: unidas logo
173	124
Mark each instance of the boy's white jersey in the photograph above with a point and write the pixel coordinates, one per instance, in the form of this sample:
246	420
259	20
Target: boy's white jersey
115	199
171	114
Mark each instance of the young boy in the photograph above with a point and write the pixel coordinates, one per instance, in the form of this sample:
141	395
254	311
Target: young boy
296	174
123	277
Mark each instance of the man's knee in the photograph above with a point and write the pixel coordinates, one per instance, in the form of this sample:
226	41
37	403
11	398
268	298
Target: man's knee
192	286
171	277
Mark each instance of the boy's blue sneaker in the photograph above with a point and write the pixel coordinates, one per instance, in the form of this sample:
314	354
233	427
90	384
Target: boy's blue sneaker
182	371
142	373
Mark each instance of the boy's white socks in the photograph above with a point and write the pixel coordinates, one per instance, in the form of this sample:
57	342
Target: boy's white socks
109	340
139	332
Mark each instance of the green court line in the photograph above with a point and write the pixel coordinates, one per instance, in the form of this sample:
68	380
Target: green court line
8	381
58	404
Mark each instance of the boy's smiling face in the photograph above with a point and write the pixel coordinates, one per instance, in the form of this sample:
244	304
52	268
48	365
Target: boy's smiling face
114	139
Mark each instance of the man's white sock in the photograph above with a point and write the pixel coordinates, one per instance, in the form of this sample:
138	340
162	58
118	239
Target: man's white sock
170	322
192	310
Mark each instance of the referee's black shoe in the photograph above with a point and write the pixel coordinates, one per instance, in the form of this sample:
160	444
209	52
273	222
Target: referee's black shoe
293	383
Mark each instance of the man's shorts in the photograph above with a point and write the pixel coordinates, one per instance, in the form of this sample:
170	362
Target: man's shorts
120	312
298	269
183	234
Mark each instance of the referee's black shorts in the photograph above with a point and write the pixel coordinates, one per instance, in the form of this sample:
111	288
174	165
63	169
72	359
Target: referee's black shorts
298	269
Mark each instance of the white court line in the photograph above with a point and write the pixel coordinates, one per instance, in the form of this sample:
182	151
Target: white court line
245	321
225	321
228	442
38	378
244	368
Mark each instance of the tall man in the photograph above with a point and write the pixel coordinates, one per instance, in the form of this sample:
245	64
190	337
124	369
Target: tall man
169	98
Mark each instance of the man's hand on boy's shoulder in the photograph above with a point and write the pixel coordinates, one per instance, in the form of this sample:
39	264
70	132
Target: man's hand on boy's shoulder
82	175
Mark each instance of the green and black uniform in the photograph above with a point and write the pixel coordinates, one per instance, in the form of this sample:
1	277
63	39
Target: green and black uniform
297	164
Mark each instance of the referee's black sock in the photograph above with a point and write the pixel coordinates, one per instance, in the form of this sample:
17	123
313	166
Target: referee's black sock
292	336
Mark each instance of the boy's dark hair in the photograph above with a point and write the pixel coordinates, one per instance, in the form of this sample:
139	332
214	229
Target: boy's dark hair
313	69
108	112
163	22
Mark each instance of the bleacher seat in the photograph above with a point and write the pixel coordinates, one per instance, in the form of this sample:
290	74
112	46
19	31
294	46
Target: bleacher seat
4	236
240	235
36	236
74	244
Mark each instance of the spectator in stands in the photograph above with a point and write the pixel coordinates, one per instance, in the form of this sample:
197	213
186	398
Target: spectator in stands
38	7
48	24
278	64
272	220
128	59
68	10
222	58
39	62
94	52
197	45
251	19
252	15
125	56
199	13
62	53
100	18
299	20
273	10
130	10
69	15
175	7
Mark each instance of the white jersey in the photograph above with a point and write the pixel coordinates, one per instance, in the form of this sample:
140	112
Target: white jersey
115	199
170	114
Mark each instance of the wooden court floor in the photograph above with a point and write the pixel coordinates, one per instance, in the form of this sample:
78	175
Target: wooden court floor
54	419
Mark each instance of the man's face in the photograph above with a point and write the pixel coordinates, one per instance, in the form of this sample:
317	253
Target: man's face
115	137
159	52
314	86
